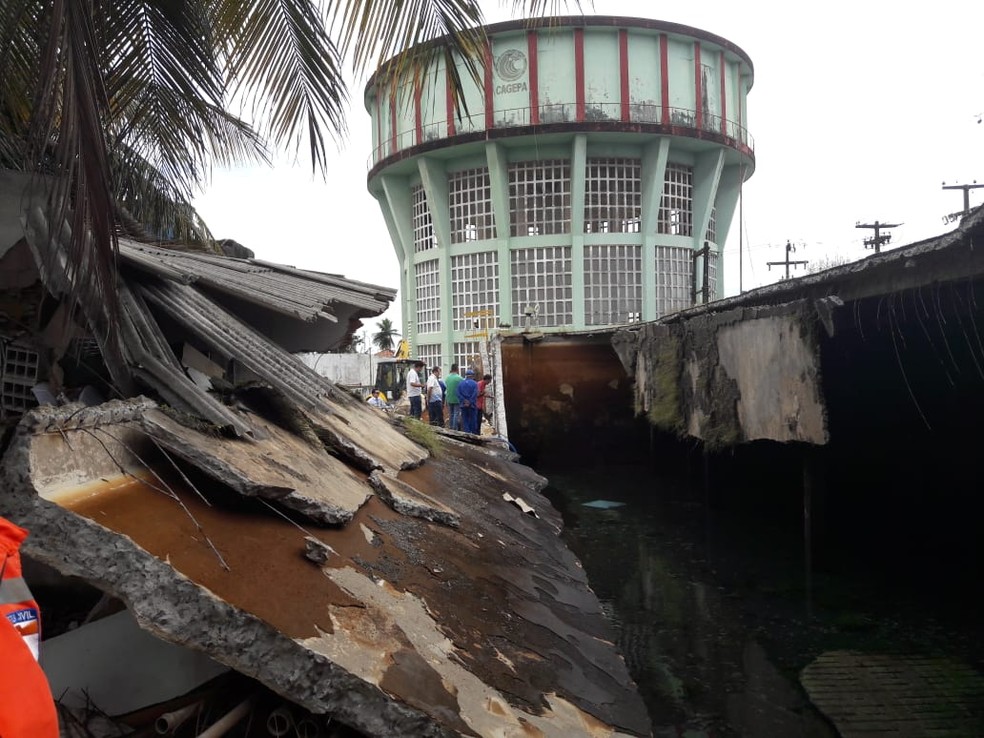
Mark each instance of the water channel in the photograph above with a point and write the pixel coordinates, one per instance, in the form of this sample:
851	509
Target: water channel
710	607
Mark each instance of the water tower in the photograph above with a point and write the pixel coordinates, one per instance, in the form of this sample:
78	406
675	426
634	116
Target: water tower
591	182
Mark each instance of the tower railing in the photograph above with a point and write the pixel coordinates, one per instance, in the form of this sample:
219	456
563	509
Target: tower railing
551	113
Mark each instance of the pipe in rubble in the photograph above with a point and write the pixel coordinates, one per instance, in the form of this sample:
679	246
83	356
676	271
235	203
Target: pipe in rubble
169	722
225	723
279	722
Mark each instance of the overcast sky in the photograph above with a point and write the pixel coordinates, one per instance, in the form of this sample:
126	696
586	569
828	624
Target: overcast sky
859	111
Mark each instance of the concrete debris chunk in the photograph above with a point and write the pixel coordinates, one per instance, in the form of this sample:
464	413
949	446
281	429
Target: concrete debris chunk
520	503
281	467
407	500
317	551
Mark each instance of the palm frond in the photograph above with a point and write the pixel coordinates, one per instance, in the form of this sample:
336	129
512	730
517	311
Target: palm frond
20	55
539	8
149	204
282	62
413	35
183	136
167	91
69	118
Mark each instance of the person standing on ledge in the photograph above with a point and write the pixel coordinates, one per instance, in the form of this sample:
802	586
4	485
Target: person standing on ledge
415	389
484	406
468	394
435	398
451	398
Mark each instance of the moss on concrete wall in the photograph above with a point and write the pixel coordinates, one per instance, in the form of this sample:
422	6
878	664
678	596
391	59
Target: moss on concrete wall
664	400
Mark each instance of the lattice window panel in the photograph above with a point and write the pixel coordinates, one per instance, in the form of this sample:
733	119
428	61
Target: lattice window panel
612	284
430	354
18	374
465	355
674	278
428	284
712	230
540	197
542	277
470	202
474	286
676	209
613	196
712	275
423	226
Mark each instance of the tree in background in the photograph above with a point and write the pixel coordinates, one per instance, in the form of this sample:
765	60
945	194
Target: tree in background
383	338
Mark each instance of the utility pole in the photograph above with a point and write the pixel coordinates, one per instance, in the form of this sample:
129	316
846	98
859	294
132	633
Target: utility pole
704	292
787	262
876	241
966	193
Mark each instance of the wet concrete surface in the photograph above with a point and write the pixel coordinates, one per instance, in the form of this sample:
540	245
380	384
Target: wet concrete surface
711	609
476	624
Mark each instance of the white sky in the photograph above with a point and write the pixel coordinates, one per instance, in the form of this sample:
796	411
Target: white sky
859	111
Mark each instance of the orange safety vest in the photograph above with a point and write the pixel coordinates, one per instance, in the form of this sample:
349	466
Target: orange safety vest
26	707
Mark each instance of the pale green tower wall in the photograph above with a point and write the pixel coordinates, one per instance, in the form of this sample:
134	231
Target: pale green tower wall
613	152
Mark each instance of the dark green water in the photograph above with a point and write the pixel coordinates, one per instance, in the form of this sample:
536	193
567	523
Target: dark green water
711	610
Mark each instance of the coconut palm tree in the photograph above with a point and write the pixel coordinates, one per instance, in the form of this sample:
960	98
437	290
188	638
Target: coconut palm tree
123	106
383	337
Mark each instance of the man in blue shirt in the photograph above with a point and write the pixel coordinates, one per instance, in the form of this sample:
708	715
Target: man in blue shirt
468	395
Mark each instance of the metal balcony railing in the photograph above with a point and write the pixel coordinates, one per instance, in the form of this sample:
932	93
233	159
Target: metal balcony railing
551	113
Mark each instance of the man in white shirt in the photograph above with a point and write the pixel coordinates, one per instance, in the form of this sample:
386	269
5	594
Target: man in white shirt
435	398
415	389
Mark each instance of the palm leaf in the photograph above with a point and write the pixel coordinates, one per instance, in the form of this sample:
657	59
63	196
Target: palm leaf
20	56
285	67
68	125
149	205
167	92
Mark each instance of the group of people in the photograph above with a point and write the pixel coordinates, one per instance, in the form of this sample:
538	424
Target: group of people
464	397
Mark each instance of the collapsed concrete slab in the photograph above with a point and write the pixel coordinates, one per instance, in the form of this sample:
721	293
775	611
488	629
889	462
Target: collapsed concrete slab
280	467
406	499
406	627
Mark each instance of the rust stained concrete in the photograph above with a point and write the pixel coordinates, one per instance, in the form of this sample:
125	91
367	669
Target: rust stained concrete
279	466
565	394
412	628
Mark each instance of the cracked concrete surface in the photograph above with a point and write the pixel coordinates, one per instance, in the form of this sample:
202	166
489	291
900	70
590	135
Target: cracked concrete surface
443	611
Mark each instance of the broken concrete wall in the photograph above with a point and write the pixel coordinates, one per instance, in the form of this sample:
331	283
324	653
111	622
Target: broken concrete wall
725	378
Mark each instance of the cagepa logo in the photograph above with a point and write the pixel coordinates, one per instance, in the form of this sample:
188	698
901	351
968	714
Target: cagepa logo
511	65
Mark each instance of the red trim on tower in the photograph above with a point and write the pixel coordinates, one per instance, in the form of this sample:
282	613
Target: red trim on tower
579	74
489	100
449	100
379	126
534	71
698	88
393	122
741	84
724	97
664	77
418	90
623	69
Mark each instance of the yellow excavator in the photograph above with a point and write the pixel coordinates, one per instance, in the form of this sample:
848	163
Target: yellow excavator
391	373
